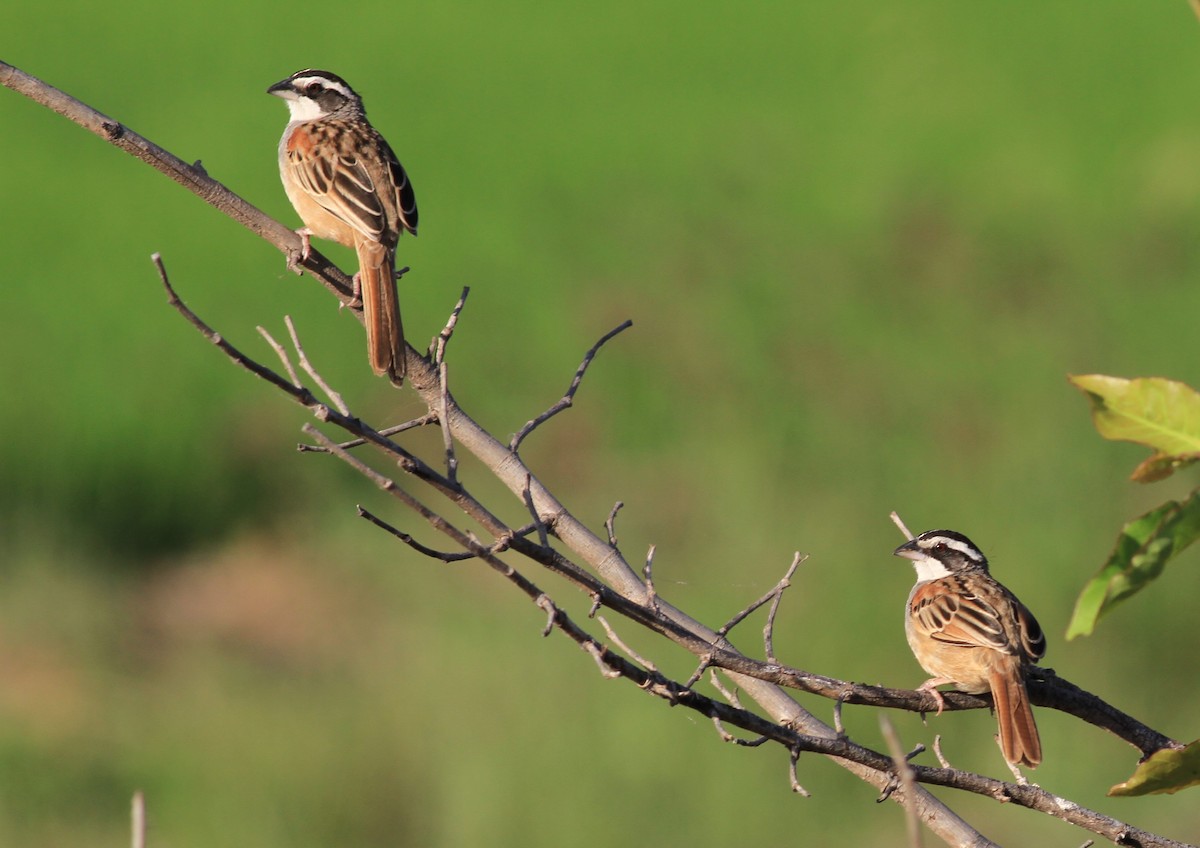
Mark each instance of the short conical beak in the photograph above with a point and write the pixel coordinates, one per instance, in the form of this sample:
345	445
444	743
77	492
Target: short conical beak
909	550
282	88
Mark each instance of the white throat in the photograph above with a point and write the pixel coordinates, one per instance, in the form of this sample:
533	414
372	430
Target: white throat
303	109
928	569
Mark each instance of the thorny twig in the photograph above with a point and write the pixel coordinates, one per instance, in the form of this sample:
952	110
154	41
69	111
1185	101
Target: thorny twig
280	352
420	421
567	399
443	338
705	665
769	626
793	778
937	751
616	640
773	595
432	553
336	398
728	694
610	524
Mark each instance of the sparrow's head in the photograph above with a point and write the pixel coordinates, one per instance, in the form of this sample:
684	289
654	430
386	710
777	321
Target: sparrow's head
312	94
936	553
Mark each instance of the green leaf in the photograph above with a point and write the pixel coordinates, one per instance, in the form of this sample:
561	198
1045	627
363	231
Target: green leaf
1168	770
1162	414
1141	552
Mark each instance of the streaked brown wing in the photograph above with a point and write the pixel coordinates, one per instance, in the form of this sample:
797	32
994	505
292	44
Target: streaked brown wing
342	185
950	614
406	198
1033	640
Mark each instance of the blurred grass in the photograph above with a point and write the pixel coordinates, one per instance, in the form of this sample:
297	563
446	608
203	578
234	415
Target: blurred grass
861	249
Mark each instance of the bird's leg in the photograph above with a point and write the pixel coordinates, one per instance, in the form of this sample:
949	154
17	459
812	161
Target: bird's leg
930	686
355	291
294	261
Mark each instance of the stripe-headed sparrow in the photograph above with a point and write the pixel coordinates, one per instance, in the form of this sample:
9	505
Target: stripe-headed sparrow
967	629
347	186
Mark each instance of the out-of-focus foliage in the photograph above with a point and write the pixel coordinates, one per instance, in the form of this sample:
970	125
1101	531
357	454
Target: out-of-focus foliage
1165	416
1165	771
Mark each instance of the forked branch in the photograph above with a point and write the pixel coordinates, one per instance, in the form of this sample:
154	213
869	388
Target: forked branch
596	565
900	776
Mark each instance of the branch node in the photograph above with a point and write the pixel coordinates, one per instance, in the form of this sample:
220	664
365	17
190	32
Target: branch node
705	664
543	601
597	652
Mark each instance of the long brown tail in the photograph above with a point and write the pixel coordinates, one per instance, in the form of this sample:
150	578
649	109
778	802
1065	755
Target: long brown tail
381	309
1019	738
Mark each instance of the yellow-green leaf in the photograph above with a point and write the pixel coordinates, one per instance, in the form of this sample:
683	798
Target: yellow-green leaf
1168	770
1141	552
1162	414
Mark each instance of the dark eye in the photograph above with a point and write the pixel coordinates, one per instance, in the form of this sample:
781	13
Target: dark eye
941	547
312	89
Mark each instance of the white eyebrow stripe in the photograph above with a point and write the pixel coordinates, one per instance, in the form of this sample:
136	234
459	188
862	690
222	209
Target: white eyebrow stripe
954	544
303	82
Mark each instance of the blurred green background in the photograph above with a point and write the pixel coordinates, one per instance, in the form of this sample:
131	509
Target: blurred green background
862	246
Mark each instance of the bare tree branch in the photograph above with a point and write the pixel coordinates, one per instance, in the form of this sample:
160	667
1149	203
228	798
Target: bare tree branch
651	611
770	596
610	524
443	338
611	581
338	402
284	359
443	556
420	421
566	400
